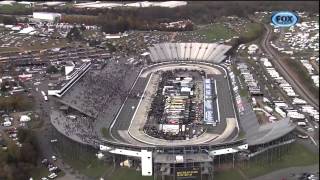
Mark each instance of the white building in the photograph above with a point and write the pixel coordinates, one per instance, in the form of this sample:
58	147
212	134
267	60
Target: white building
7	2
46	16
69	68
53	3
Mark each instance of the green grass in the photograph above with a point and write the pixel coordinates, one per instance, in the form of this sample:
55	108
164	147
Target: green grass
85	162
235	70
39	172
37	46
49	44
241	135
8	49
228	175
244	93
216	32
105	132
88	165
298	155
252	30
96	168
88	33
15	9
128	174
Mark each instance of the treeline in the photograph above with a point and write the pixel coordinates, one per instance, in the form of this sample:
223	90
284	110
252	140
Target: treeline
197	11
15	103
15	9
113	24
122	19
256	31
200	12
8	19
17	163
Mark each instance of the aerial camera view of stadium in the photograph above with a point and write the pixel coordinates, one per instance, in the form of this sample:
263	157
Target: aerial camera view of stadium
171	90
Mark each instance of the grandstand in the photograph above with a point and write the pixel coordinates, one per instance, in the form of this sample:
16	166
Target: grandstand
209	52
74	77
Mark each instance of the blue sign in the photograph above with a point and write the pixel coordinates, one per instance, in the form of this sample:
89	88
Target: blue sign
284	18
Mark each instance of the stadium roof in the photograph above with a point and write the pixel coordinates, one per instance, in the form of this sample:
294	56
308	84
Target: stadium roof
269	132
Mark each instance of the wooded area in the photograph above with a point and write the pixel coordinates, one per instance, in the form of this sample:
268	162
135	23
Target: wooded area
16	163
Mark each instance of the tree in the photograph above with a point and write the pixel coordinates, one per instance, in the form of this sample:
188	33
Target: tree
8	19
3	86
74	34
52	69
19	162
82	27
28	154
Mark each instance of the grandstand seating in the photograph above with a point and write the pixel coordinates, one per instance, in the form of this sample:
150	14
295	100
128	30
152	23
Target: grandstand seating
209	52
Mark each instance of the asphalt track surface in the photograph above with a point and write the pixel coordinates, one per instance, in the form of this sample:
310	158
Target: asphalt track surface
300	88
122	122
119	130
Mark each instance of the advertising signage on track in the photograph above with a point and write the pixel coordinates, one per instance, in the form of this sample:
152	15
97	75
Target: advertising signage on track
188	173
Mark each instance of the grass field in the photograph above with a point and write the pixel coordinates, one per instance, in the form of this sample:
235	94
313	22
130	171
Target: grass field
105	132
228	175
215	32
50	44
88	165
8	49
298	155
218	31
37	46
241	135
244	93
252	30
128	174
15	9
39	172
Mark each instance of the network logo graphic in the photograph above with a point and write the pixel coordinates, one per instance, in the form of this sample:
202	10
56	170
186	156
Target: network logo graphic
284	19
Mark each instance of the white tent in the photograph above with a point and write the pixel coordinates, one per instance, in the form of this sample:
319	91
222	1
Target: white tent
26	30
25	118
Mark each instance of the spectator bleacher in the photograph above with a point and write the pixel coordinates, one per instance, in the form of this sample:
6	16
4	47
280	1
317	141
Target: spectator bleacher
209	52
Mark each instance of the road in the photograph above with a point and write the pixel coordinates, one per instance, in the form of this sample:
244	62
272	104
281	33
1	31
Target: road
292	173
300	88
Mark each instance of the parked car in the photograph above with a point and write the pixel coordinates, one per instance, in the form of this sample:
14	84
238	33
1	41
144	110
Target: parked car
52	175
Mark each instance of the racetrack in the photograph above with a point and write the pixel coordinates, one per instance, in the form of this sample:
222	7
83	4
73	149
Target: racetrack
128	126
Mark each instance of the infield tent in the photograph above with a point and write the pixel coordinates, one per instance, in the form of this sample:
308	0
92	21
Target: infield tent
25	118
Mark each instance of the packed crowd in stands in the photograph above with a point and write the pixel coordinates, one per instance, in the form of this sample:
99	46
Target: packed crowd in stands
100	93
79	127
